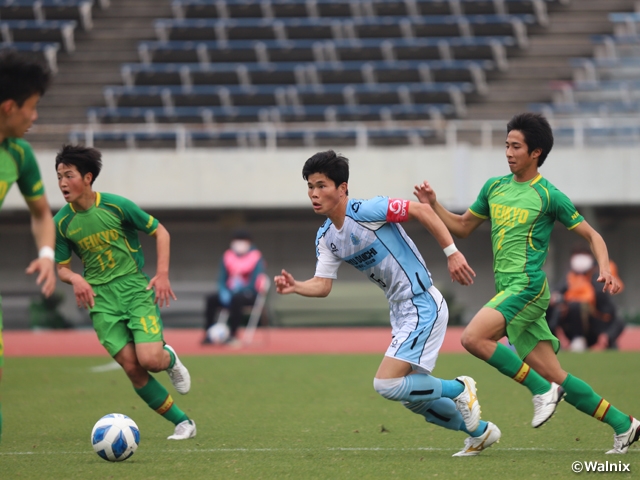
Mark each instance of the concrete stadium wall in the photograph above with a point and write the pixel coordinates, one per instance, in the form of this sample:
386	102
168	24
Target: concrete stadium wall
272	179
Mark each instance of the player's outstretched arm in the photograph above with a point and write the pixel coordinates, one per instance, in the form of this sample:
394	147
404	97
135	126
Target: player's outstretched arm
81	288
161	280
601	254
459	225
459	269
44	233
314	287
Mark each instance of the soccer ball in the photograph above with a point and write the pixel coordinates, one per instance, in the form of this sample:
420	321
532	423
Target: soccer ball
218	333
115	437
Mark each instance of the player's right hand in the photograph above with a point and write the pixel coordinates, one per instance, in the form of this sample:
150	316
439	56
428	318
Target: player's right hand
83	292
460	270
425	194
285	283
46	275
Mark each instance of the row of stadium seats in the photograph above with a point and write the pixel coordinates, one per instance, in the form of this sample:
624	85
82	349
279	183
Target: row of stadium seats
41	10
606	85
355	8
180	138
389	49
344	27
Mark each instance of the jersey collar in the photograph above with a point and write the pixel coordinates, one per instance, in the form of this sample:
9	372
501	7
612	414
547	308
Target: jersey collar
98	198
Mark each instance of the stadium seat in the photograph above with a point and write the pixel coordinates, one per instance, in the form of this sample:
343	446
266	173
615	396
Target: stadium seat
296	73
80	10
46	51
181	137
265	51
344	27
39	31
344	8
616	46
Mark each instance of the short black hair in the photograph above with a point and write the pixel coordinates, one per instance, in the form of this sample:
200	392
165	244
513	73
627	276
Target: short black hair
536	131
241	234
21	78
85	159
329	163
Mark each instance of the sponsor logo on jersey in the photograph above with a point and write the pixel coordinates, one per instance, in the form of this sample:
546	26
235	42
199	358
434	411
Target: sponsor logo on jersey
73	232
508	216
355	239
355	206
334	249
363	259
98	240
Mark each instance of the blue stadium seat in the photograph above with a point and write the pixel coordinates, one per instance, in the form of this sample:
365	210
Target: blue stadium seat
39	31
338	94
258	137
246	114
265	51
344	27
293	73
593	69
80	10
625	23
343	8
615	46
47	51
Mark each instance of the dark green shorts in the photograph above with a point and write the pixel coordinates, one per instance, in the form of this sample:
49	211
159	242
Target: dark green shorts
523	300
125	312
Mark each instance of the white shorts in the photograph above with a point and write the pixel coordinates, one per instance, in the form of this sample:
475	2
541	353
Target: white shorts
418	326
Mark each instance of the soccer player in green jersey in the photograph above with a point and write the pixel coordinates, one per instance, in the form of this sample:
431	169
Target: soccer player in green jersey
523	208
22	84
102	229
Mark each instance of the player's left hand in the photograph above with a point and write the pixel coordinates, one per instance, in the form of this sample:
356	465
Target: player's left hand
163	289
611	283
460	270
47	274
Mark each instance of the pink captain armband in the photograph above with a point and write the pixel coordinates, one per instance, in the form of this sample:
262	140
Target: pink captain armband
450	250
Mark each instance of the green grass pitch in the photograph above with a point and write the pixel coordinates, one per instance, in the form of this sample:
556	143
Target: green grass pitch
299	417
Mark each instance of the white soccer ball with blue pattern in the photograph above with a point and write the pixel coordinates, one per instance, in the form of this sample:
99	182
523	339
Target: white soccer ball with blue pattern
218	333
115	437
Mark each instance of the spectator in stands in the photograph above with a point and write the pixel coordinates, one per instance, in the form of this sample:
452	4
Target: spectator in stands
241	278
22	83
586	315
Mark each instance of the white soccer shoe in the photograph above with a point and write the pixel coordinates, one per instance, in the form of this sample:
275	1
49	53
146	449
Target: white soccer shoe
474	445
179	375
544	405
184	430
467	403
622	442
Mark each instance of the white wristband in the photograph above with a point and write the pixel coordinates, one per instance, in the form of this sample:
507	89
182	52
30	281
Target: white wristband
450	250
47	252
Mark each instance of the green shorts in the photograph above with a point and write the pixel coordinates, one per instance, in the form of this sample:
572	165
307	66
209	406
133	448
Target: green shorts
125	312
523	300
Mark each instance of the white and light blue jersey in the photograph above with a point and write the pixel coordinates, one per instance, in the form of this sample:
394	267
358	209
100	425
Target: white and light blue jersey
372	240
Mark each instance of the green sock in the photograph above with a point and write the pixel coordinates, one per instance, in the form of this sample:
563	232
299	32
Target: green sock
509	364
172	355
157	397
582	396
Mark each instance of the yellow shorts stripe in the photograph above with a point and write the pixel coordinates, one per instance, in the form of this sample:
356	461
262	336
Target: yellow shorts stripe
166	405
522	373
601	410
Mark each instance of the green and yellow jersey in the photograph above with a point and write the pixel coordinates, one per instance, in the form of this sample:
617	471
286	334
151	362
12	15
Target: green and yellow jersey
105	237
18	165
522	217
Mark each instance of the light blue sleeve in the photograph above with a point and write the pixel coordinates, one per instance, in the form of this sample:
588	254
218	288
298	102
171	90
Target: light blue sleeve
372	210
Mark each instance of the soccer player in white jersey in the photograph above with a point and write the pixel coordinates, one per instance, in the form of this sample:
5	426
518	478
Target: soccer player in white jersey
367	235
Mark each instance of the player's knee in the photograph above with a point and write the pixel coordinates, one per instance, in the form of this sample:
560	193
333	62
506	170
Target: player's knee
469	340
152	363
389	388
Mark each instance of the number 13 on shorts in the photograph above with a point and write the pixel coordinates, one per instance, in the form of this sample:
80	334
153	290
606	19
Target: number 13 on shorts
150	324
